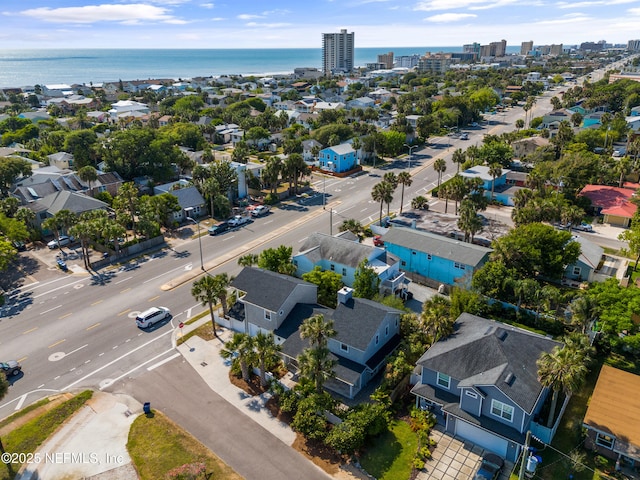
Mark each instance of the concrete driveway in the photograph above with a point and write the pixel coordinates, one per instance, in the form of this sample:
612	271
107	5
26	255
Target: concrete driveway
455	459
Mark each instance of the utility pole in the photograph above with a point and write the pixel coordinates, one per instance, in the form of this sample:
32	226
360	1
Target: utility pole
524	455
331	222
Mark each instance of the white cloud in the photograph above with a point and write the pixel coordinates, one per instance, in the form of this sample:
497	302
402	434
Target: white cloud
593	3
247	16
267	25
130	14
450	17
208	5
567	19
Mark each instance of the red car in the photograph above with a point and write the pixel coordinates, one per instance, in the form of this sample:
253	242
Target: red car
377	241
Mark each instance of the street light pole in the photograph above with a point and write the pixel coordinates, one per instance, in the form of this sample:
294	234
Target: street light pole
199	237
324	192
410	147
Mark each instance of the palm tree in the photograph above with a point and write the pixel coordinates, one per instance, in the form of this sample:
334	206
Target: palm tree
266	353
583	310
561	369
445	192
495	170
248	260
435	318
571	215
241	349
353	226
458	158
404	179
440	166
315	362
382	192
469	222
206	290
88	174
391	179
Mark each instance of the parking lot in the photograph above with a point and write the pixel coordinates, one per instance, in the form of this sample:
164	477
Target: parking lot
455	459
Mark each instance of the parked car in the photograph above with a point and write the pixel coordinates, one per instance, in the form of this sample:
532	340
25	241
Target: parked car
218	228
584	227
464	136
61	241
377	241
474	124
490	467
10	368
260	210
152	316
238	221
19	245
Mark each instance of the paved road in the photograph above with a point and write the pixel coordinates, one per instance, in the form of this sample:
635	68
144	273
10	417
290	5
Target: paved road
181	394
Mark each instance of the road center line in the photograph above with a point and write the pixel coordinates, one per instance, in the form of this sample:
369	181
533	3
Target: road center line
93	326
30	330
57	343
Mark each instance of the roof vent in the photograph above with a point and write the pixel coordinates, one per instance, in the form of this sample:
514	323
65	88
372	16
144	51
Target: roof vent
509	378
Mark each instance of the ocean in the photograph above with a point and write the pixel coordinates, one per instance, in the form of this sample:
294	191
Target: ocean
85	66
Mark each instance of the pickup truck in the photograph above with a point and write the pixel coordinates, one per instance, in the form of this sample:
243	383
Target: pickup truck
260	210
238	221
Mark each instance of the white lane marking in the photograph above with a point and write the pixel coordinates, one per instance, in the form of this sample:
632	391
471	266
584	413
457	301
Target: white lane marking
50	310
123	280
168	332
114	380
163	274
162	362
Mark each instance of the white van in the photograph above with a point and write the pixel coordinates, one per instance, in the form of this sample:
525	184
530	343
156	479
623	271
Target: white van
152	316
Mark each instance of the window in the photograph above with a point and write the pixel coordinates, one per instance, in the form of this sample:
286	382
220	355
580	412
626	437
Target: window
267	315
344	348
386	331
471	394
413	253
344	272
403	263
576	270
377	339
428	256
459	266
443	380
502	410
333	267
604	440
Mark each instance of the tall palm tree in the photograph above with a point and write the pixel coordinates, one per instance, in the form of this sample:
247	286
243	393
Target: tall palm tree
315	362
404	179
241	349
266	353
205	290
382	192
560	370
469	222
435	318
583	310
495	170
440	165
458	158
571	215
248	260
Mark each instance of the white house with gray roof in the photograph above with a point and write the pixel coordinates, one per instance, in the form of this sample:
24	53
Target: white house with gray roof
435	259
482	384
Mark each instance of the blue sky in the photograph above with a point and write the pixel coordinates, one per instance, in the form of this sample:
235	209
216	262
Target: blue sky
300	23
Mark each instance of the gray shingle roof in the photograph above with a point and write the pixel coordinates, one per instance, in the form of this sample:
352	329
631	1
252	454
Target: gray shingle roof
437	245
320	246
75	202
484	352
187	197
264	288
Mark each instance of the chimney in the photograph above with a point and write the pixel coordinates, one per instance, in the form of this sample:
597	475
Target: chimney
345	294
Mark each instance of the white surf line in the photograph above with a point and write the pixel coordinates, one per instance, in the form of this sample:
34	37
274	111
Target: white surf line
114	380
117	359
162	362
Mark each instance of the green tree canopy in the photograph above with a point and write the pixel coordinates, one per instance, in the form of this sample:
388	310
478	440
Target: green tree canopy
328	283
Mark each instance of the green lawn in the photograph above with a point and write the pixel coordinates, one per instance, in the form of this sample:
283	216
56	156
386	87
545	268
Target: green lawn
391	455
157	445
28	437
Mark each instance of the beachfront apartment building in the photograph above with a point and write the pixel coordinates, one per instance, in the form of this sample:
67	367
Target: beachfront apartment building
337	52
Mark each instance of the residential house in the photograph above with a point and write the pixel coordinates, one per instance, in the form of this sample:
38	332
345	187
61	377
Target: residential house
308	150
62	160
635	111
526	146
343	256
105	182
613	416
552	119
75	202
613	203
362	102
503	192
434	259
126	108
482	384
188	196
585	268
366	331
338	159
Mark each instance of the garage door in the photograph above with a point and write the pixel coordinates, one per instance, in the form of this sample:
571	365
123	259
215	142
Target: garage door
481	438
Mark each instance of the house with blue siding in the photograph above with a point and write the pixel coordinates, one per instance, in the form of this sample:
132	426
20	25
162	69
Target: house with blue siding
342	254
338	159
435	258
482	384
584	269
503	191
367	332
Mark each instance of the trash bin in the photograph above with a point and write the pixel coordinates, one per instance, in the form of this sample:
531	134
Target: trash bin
147	408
